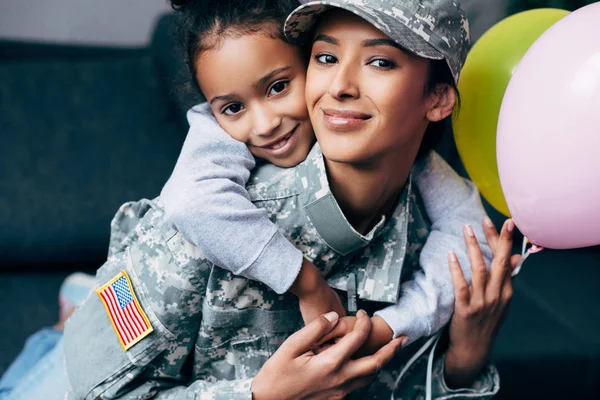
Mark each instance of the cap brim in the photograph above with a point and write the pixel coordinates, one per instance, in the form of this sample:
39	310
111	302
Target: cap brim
301	22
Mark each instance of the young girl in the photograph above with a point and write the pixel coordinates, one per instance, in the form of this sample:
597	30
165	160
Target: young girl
261	103
205	332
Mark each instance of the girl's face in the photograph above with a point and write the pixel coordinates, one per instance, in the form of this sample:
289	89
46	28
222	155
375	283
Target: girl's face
365	95
255	87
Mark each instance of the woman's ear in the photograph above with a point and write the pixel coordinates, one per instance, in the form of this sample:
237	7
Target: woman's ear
442	101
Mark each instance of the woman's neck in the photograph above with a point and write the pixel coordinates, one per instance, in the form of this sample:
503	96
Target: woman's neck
365	192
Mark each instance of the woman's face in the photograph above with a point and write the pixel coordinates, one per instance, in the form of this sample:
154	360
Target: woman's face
365	95
255	86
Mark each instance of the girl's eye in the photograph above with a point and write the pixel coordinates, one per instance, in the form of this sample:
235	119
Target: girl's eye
383	64
278	87
325	59
232	109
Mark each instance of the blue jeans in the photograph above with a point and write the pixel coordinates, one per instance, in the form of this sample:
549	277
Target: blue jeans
39	371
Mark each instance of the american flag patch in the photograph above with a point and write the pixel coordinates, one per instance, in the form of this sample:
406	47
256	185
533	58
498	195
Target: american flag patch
125	313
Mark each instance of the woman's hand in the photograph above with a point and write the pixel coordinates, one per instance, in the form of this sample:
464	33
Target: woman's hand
479	309
297	372
380	335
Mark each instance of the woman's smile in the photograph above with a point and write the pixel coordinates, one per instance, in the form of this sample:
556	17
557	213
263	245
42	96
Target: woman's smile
344	120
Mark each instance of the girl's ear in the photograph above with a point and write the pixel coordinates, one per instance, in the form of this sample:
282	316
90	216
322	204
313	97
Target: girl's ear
441	102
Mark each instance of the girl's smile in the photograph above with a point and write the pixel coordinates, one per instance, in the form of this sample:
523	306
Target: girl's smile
282	146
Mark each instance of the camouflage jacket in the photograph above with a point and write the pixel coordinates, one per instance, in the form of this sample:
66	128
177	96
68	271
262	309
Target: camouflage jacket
207	202
212	331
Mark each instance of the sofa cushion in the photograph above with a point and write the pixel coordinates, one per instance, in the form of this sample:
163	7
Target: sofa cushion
79	138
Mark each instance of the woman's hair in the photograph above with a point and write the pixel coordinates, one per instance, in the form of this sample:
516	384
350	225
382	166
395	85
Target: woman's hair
439	74
203	24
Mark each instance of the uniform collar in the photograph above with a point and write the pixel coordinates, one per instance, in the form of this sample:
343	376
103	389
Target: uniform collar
326	216
324	212
374	274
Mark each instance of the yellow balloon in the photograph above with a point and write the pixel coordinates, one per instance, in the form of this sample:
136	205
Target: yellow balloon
483	81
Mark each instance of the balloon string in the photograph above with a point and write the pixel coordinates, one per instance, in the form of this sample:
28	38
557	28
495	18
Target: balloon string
525	253
535	249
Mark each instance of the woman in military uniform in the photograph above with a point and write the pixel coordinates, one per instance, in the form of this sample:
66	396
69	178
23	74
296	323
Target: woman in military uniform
168	324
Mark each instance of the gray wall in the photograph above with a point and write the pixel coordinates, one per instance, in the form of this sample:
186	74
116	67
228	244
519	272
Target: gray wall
129	22
120	22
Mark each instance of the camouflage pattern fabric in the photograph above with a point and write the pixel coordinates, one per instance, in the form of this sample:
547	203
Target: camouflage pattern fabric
213	330
434	29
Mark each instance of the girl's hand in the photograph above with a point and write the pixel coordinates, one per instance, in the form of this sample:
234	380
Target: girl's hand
479	309
296	372
314	294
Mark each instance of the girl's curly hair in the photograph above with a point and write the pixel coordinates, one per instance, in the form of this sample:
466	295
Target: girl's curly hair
202	24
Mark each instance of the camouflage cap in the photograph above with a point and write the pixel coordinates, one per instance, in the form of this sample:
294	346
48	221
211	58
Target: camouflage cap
434	29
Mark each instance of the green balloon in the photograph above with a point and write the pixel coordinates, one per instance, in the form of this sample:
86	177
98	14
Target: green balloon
483	81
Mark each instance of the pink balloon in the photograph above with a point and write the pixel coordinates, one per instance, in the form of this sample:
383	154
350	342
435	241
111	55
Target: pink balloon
548	140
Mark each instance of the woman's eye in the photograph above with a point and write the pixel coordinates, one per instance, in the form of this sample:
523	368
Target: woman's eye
232	109
325	59
278	87
381	63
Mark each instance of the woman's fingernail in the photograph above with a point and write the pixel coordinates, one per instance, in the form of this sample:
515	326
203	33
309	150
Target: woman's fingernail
510	225
331	316
452	257
404	341
488	222
361	312
469	230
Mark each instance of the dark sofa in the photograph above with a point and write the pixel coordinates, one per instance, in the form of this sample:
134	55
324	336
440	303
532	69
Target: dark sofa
82	131
85	129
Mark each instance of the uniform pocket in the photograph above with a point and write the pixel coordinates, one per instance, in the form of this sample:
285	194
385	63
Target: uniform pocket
249	355
238	357
234	344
